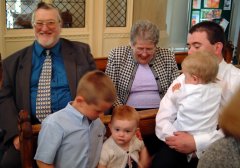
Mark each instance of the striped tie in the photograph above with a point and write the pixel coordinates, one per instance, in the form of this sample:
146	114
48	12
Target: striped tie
43	101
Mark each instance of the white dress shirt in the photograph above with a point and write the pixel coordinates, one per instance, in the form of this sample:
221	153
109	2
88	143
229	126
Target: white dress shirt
229	75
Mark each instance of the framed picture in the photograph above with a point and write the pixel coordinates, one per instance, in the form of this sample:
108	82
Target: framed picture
196	4
210	14
195	17
227	5
211	3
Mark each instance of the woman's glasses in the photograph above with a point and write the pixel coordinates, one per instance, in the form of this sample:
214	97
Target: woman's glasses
140	50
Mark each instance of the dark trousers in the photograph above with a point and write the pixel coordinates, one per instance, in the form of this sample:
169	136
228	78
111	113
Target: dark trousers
165	157
11	158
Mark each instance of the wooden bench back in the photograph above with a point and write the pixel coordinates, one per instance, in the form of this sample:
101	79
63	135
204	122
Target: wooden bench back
101	63
28	133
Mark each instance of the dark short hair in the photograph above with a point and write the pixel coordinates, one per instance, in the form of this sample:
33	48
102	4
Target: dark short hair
215	32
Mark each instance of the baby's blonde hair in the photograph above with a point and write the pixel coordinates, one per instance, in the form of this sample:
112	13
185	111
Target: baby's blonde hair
203	65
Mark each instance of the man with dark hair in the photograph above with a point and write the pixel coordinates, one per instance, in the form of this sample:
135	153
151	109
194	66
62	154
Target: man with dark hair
25	79
183	149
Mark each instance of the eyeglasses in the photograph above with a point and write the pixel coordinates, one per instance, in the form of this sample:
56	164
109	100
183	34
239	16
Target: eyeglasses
147	50
49	23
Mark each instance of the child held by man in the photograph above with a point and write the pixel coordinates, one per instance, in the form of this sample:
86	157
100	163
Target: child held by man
195	104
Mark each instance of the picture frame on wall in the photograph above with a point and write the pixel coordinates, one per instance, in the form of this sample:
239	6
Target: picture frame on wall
227	5
195	17
211	3
196	4
210	14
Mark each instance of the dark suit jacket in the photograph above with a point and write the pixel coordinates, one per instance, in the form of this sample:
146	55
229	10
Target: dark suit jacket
15	91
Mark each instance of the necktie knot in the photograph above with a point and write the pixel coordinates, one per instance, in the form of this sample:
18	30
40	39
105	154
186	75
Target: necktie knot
47	52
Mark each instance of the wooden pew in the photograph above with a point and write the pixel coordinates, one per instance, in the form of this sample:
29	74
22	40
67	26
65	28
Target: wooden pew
28	133
179	57
101	63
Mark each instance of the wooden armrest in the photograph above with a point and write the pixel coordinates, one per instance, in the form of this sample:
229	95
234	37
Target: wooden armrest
148	114
26	139
147	122
36	128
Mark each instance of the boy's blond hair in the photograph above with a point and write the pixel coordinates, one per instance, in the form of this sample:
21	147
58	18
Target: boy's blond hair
96	86
203	65
229	119
124	112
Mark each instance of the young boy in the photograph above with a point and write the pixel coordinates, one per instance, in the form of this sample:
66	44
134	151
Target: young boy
195	106
73	136
123	149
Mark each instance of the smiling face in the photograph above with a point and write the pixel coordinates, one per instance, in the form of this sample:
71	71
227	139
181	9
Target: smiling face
47	27
143	51
123	131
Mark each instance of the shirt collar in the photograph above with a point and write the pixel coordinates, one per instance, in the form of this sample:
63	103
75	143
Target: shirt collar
221	69
77	114
39	49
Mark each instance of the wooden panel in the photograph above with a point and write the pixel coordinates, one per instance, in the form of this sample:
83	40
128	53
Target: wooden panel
101	63
179	56
228	52
158	15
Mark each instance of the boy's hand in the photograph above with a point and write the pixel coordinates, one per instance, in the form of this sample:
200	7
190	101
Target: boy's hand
16	143
176	87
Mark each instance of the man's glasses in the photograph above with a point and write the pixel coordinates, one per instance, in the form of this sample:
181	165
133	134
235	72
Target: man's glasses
49	23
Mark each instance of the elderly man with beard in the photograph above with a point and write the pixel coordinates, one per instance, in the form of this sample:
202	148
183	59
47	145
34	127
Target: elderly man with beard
21	73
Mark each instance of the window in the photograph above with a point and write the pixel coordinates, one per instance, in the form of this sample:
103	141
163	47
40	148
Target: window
171	16
19	13
116	13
